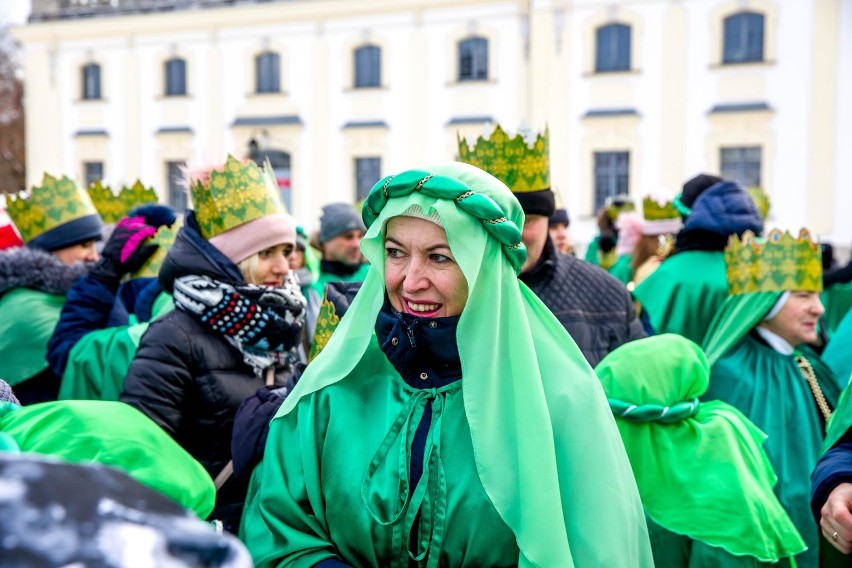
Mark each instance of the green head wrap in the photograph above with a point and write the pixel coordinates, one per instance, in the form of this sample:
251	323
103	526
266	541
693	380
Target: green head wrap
734	319
701	468
546	448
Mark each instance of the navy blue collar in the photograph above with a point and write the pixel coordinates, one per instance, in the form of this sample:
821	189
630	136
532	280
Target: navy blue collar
424	351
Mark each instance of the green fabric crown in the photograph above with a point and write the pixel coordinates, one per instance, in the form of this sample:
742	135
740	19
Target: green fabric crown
522	167
53	203
776	264
112	207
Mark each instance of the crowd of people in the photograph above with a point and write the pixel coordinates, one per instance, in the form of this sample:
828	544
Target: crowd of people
432	378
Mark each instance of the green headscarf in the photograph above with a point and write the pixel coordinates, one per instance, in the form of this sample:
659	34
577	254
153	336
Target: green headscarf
735	318
691	457
545	444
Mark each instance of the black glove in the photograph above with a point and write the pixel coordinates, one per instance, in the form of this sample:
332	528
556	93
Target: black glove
251	428
124	252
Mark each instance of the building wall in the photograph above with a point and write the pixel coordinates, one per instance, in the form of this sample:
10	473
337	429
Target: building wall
541	70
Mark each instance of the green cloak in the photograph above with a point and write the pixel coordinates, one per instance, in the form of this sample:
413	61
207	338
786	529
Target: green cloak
621	269
838	302
838	353
26	325
324	278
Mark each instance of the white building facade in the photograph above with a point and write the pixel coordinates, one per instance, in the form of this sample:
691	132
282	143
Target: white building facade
638	95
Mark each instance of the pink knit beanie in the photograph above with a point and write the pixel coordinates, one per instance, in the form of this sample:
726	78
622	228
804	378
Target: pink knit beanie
250	238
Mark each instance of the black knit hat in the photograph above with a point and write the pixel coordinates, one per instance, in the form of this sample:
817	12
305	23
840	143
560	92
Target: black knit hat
560	216
696	186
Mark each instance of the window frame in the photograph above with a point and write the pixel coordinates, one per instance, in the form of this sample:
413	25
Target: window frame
472	52
743	52
88	174
743	169
91	82
177	195
174	69
367	56
609	180
364	169
613	59
267	72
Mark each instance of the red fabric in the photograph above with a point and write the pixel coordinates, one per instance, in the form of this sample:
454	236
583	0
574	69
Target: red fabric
9	238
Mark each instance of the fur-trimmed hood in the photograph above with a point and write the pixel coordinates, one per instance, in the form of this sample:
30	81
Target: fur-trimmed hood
24	267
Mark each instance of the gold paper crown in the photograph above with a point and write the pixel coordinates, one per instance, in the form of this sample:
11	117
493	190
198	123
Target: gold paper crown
234	195
164	237
53	203
760	199
113	207
618	205
522	167
653	211
775	264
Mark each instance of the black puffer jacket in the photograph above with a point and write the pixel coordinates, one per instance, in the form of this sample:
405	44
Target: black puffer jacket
594	307
190	380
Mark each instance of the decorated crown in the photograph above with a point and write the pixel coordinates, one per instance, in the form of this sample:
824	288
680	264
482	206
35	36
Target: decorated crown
45	207
113	207
619	204
522	167
760	199
653	210
164	237
234	195
778	263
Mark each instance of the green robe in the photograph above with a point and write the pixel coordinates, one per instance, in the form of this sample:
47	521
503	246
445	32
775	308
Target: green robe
769	388
27	322
683	294
621	269
838	352
838	302
325	277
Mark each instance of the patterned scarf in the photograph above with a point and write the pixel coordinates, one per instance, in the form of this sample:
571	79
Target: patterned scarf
263	323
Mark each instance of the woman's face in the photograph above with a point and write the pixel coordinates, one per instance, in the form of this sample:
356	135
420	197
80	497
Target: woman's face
797	320
559	234
272	266
82	252
421	274
296	259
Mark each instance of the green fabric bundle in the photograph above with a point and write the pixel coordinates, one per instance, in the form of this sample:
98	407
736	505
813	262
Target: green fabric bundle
700	467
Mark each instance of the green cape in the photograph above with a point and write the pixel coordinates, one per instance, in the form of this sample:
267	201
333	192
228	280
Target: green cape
838	302
683	294
530	399
621	269
838	353
324	278
27	322
710	459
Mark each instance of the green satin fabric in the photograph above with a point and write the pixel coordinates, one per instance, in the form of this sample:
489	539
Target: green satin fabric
683	294
528	397
324	278
27	322
621	269
769	388
735	319
114	434
710	461
838	353
838	302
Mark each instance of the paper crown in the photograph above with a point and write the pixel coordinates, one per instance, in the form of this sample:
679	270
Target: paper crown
778	263
619	204
113	207
234	195
45	207
522	167
653	210
164	237
760	199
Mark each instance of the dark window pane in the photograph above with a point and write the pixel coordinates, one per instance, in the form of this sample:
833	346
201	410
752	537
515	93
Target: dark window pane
177	193
741	165
368	66
473	59
175	77
367	173
91	81
611	176
743	39
280	163
94	171
267	73
613	48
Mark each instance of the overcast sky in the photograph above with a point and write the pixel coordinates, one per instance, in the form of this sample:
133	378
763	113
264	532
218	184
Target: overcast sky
14	12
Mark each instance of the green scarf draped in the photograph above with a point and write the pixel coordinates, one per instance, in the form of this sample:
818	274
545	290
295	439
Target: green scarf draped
690	457
545	446
735	318
838	353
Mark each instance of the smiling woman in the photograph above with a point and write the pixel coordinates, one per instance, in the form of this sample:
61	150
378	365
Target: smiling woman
408	437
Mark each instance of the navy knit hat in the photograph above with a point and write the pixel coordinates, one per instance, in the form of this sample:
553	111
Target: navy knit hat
559	216
339	218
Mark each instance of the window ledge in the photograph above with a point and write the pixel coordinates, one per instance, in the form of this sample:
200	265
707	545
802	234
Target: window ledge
608	74
91	101
365	89
173	97
743	64
266	95
471	82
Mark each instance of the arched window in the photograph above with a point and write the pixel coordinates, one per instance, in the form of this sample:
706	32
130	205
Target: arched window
743	38
91	81
175	77
267	68
612	48
368	66
473	59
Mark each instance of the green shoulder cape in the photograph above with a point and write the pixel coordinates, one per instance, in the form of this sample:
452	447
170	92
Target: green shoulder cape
27	322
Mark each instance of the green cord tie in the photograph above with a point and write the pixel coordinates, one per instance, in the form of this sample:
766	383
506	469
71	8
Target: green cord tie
654	412
681	207
478	205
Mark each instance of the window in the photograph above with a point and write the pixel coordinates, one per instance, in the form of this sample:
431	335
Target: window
91	81
93	171
473	59
368	66
177	191
367	173
611	176
613	48
175	77
743	38
280	163
741	165
267	73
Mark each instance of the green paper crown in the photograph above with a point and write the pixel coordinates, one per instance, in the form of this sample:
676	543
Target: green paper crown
113	207
523	168
653	211
45	207
617	205
760	199
164	237
778	263
234	195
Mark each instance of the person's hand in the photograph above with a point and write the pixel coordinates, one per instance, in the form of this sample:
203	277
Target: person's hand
836	520
123	253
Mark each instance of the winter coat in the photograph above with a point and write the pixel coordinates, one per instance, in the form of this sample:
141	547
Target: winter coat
33	286
595	308
190	380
